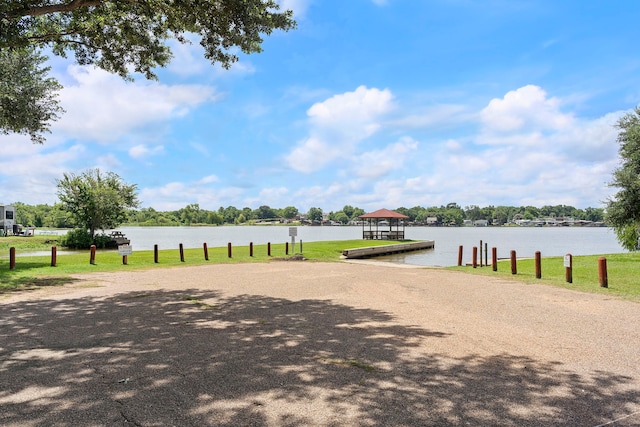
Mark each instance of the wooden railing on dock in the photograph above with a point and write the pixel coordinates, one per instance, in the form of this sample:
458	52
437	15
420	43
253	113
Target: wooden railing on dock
383	235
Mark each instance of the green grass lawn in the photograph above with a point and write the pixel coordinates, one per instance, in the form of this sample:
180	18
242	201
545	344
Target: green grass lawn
623	272
623	269
37	270
32	243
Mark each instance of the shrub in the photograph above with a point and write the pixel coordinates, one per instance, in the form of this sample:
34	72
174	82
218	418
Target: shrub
77	239
81	239
103	241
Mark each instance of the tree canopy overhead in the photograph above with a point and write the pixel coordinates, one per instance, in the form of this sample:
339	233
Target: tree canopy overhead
117	35
28	97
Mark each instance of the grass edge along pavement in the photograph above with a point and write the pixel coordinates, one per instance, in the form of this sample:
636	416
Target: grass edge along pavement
34	271
623	271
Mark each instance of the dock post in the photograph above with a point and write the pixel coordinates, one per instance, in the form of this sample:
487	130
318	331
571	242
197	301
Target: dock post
181	253
268	248
206	251
486	254
514	266
602	272
229	249
480	253
12	258
155	253
538	262
251	249
494	258
459	255
474	256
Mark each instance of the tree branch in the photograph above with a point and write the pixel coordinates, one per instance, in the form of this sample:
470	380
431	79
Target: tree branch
53	8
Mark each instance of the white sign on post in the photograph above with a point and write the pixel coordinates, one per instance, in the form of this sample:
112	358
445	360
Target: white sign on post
293	232
125	250
567	261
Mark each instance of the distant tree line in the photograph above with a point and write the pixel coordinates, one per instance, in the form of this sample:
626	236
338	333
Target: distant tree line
451	214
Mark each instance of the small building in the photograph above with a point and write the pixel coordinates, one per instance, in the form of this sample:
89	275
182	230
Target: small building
7	219
432	221
383	224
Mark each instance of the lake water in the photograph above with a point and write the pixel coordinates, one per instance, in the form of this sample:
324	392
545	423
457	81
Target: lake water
550	241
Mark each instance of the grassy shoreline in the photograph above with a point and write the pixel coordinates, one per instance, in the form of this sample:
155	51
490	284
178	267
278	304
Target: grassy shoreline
32	269
623	269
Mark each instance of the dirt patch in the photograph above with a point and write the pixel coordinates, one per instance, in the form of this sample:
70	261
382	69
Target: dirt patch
297	257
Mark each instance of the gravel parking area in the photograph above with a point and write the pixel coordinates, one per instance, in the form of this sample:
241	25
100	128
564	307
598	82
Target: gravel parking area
315	344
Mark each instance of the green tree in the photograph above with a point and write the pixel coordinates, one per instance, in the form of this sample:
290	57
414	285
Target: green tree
190	214
119	37
265	212
340	217
314	214
96	200
623	209
28	97
290	212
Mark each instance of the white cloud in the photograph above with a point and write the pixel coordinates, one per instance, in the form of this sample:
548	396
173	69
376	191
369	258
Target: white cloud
176	195
377	163
338	124
28	172
276	197
103	107
142	151
525	108
189	60
299	7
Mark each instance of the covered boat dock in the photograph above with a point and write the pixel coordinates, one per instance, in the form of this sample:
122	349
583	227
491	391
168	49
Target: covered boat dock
383	224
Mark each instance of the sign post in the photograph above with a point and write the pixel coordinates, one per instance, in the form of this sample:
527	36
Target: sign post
124	251
568	265
293	232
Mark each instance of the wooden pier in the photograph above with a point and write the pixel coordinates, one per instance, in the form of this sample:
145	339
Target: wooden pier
371	251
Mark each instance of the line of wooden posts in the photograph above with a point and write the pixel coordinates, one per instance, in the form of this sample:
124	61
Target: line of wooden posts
92	253
568	263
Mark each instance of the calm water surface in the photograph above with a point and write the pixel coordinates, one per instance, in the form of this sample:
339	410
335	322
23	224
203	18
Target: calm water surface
550	241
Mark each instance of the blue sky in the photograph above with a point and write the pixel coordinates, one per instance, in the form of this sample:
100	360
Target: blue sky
371	103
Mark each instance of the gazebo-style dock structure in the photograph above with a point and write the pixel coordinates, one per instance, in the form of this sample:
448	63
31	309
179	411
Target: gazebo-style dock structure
377	231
